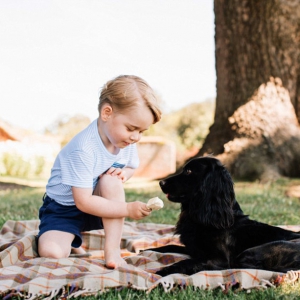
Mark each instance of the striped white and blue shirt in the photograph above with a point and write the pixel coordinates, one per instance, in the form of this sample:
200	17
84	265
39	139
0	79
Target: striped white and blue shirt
82	160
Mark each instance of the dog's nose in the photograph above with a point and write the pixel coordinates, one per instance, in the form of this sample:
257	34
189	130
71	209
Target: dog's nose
162	183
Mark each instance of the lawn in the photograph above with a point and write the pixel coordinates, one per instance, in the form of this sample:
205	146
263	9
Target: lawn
265	202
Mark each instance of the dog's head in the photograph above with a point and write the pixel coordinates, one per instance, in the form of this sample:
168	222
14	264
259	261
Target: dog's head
205	190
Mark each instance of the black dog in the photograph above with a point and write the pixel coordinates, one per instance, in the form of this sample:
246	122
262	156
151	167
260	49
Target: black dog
215	232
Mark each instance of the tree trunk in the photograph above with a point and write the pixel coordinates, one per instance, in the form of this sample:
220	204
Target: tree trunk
258	88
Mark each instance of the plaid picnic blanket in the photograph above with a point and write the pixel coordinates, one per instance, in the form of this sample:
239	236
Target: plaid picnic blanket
24	274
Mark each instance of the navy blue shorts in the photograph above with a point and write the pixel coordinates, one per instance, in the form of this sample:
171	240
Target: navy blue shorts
54	216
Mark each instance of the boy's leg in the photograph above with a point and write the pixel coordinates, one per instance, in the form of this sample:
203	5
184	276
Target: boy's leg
111	188
55	244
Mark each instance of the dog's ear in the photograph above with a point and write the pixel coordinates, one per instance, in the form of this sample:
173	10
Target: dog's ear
212	204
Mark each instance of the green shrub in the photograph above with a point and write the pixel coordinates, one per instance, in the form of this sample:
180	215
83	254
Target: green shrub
16	165
39	165
187	127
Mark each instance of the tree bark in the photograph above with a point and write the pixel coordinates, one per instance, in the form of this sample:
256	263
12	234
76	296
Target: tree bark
257	61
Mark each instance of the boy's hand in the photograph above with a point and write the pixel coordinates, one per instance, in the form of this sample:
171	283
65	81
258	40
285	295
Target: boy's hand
138	210
120	173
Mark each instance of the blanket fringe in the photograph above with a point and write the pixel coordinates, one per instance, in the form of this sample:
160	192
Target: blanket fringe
168	284
267	283
291	276
13	294
85	292
52	294
61	294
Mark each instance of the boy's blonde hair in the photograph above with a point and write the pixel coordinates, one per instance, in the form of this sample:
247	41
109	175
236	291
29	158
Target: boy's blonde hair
125	91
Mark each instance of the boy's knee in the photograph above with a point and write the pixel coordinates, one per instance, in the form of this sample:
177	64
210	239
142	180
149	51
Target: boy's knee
110	182
109	185
52	248
52	251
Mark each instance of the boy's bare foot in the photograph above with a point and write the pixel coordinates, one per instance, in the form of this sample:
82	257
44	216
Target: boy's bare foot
78	250
113	259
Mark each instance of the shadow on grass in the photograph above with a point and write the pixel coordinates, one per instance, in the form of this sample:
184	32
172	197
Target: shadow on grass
11	186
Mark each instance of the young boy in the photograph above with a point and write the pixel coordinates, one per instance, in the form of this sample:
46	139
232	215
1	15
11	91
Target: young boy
85	190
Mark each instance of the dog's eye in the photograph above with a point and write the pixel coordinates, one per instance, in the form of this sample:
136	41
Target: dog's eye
187	172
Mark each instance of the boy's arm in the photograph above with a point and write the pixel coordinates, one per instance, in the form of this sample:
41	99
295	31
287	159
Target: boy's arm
129	172
102	207
124	174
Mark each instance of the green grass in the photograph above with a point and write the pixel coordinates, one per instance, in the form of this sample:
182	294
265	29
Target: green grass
193	294
20	204
264	202
268	202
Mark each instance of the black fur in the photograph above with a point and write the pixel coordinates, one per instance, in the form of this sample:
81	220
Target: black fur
214	230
